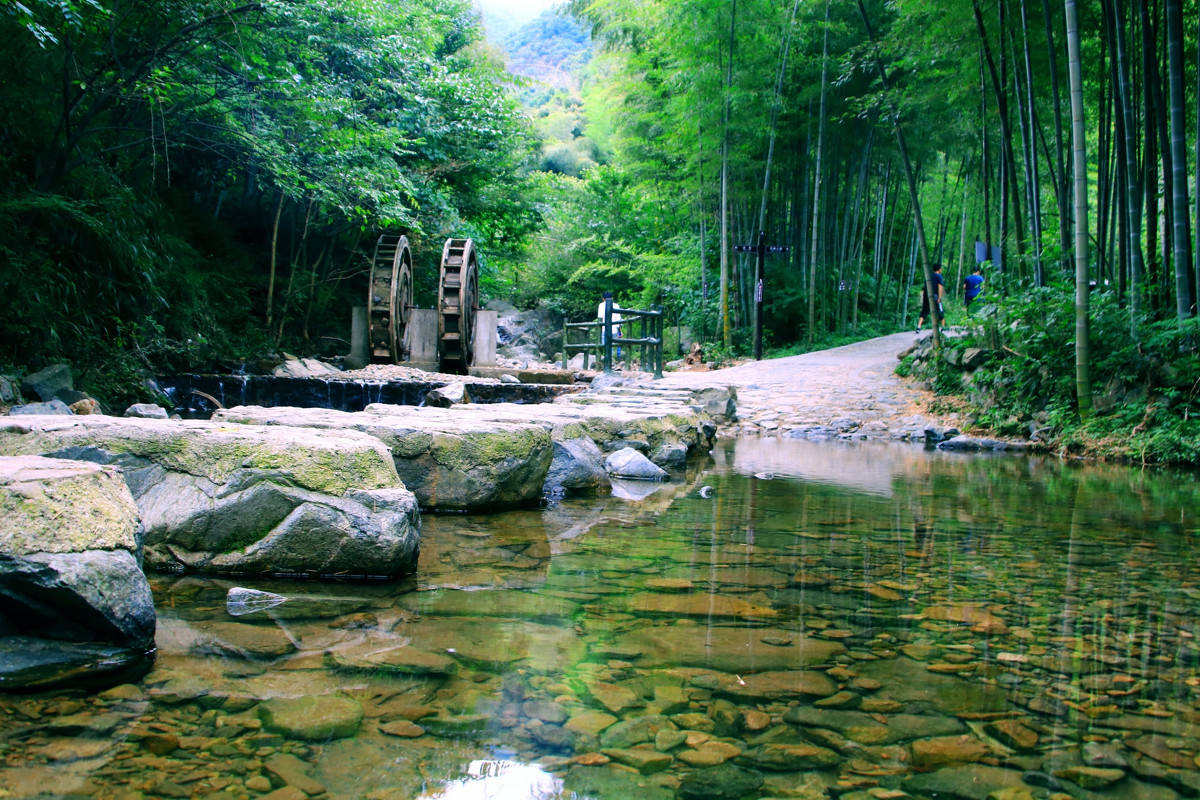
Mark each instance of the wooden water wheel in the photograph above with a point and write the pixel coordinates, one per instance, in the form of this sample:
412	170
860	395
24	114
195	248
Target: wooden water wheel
389	298
458	299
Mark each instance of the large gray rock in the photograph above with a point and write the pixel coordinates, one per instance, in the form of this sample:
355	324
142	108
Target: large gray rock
450	460
630	464
974	444
303	368
717	401
451	394
56	506
146	411
578	466
76	606
47	383
660	422
236	499
90	596
55	407
672	455
8	390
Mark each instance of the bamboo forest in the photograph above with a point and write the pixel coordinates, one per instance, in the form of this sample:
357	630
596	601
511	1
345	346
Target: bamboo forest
190	183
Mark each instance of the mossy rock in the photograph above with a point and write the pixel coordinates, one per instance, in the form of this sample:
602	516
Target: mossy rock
318	461
312	719
58	506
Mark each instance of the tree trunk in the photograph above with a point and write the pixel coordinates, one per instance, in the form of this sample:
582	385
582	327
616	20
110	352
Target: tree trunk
312	289
1153	269
880	222
1184	278
962	235
987	161
1157	51
1060	186
1008	171
816	198
1083	380
860	227
1133	189
911	179
1103	144
1196	173
274	258
759	278
1032	177
726	333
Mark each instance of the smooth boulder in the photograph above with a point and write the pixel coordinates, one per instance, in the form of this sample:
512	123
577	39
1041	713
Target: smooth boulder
450	461
451	394
76	607
49	383
50	407
664	423
244	499
578	467
629	464
146	411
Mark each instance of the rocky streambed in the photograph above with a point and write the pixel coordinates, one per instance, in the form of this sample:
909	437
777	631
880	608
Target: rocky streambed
298	492
783	622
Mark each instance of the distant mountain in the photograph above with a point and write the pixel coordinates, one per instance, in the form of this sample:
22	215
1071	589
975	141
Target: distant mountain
499	23
550	49
501	18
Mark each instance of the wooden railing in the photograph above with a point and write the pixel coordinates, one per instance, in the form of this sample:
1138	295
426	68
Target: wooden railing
647	325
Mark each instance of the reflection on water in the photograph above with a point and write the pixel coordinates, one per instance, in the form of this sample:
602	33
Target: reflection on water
500	780
822	621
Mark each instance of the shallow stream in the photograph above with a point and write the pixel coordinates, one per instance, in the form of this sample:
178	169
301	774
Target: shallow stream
789	619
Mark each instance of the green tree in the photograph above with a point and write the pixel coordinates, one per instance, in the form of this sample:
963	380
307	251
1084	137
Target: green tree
163	158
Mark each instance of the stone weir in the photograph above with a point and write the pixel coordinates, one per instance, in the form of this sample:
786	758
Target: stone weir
193	395
479	456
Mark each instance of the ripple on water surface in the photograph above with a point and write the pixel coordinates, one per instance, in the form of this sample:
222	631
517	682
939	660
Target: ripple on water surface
823	620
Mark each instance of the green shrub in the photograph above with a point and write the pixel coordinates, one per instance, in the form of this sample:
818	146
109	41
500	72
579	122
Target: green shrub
1145	376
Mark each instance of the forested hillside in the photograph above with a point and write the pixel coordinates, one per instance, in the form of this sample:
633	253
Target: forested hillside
551	49
194	180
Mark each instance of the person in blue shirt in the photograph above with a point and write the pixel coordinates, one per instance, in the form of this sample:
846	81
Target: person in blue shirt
940	283
972	287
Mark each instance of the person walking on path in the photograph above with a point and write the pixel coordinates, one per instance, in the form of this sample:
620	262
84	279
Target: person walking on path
940	283
972	287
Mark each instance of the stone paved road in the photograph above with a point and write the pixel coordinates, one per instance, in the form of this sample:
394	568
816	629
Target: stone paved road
847	392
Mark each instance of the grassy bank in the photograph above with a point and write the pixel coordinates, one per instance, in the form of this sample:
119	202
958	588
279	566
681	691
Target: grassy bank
1012	365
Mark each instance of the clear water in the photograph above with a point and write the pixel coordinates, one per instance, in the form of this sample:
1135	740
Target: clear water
792	619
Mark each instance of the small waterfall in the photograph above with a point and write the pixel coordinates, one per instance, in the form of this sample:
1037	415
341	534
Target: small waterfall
196	396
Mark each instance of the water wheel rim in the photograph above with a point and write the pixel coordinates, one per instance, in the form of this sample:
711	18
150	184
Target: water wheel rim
458	297
470	303
387	307
398	302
